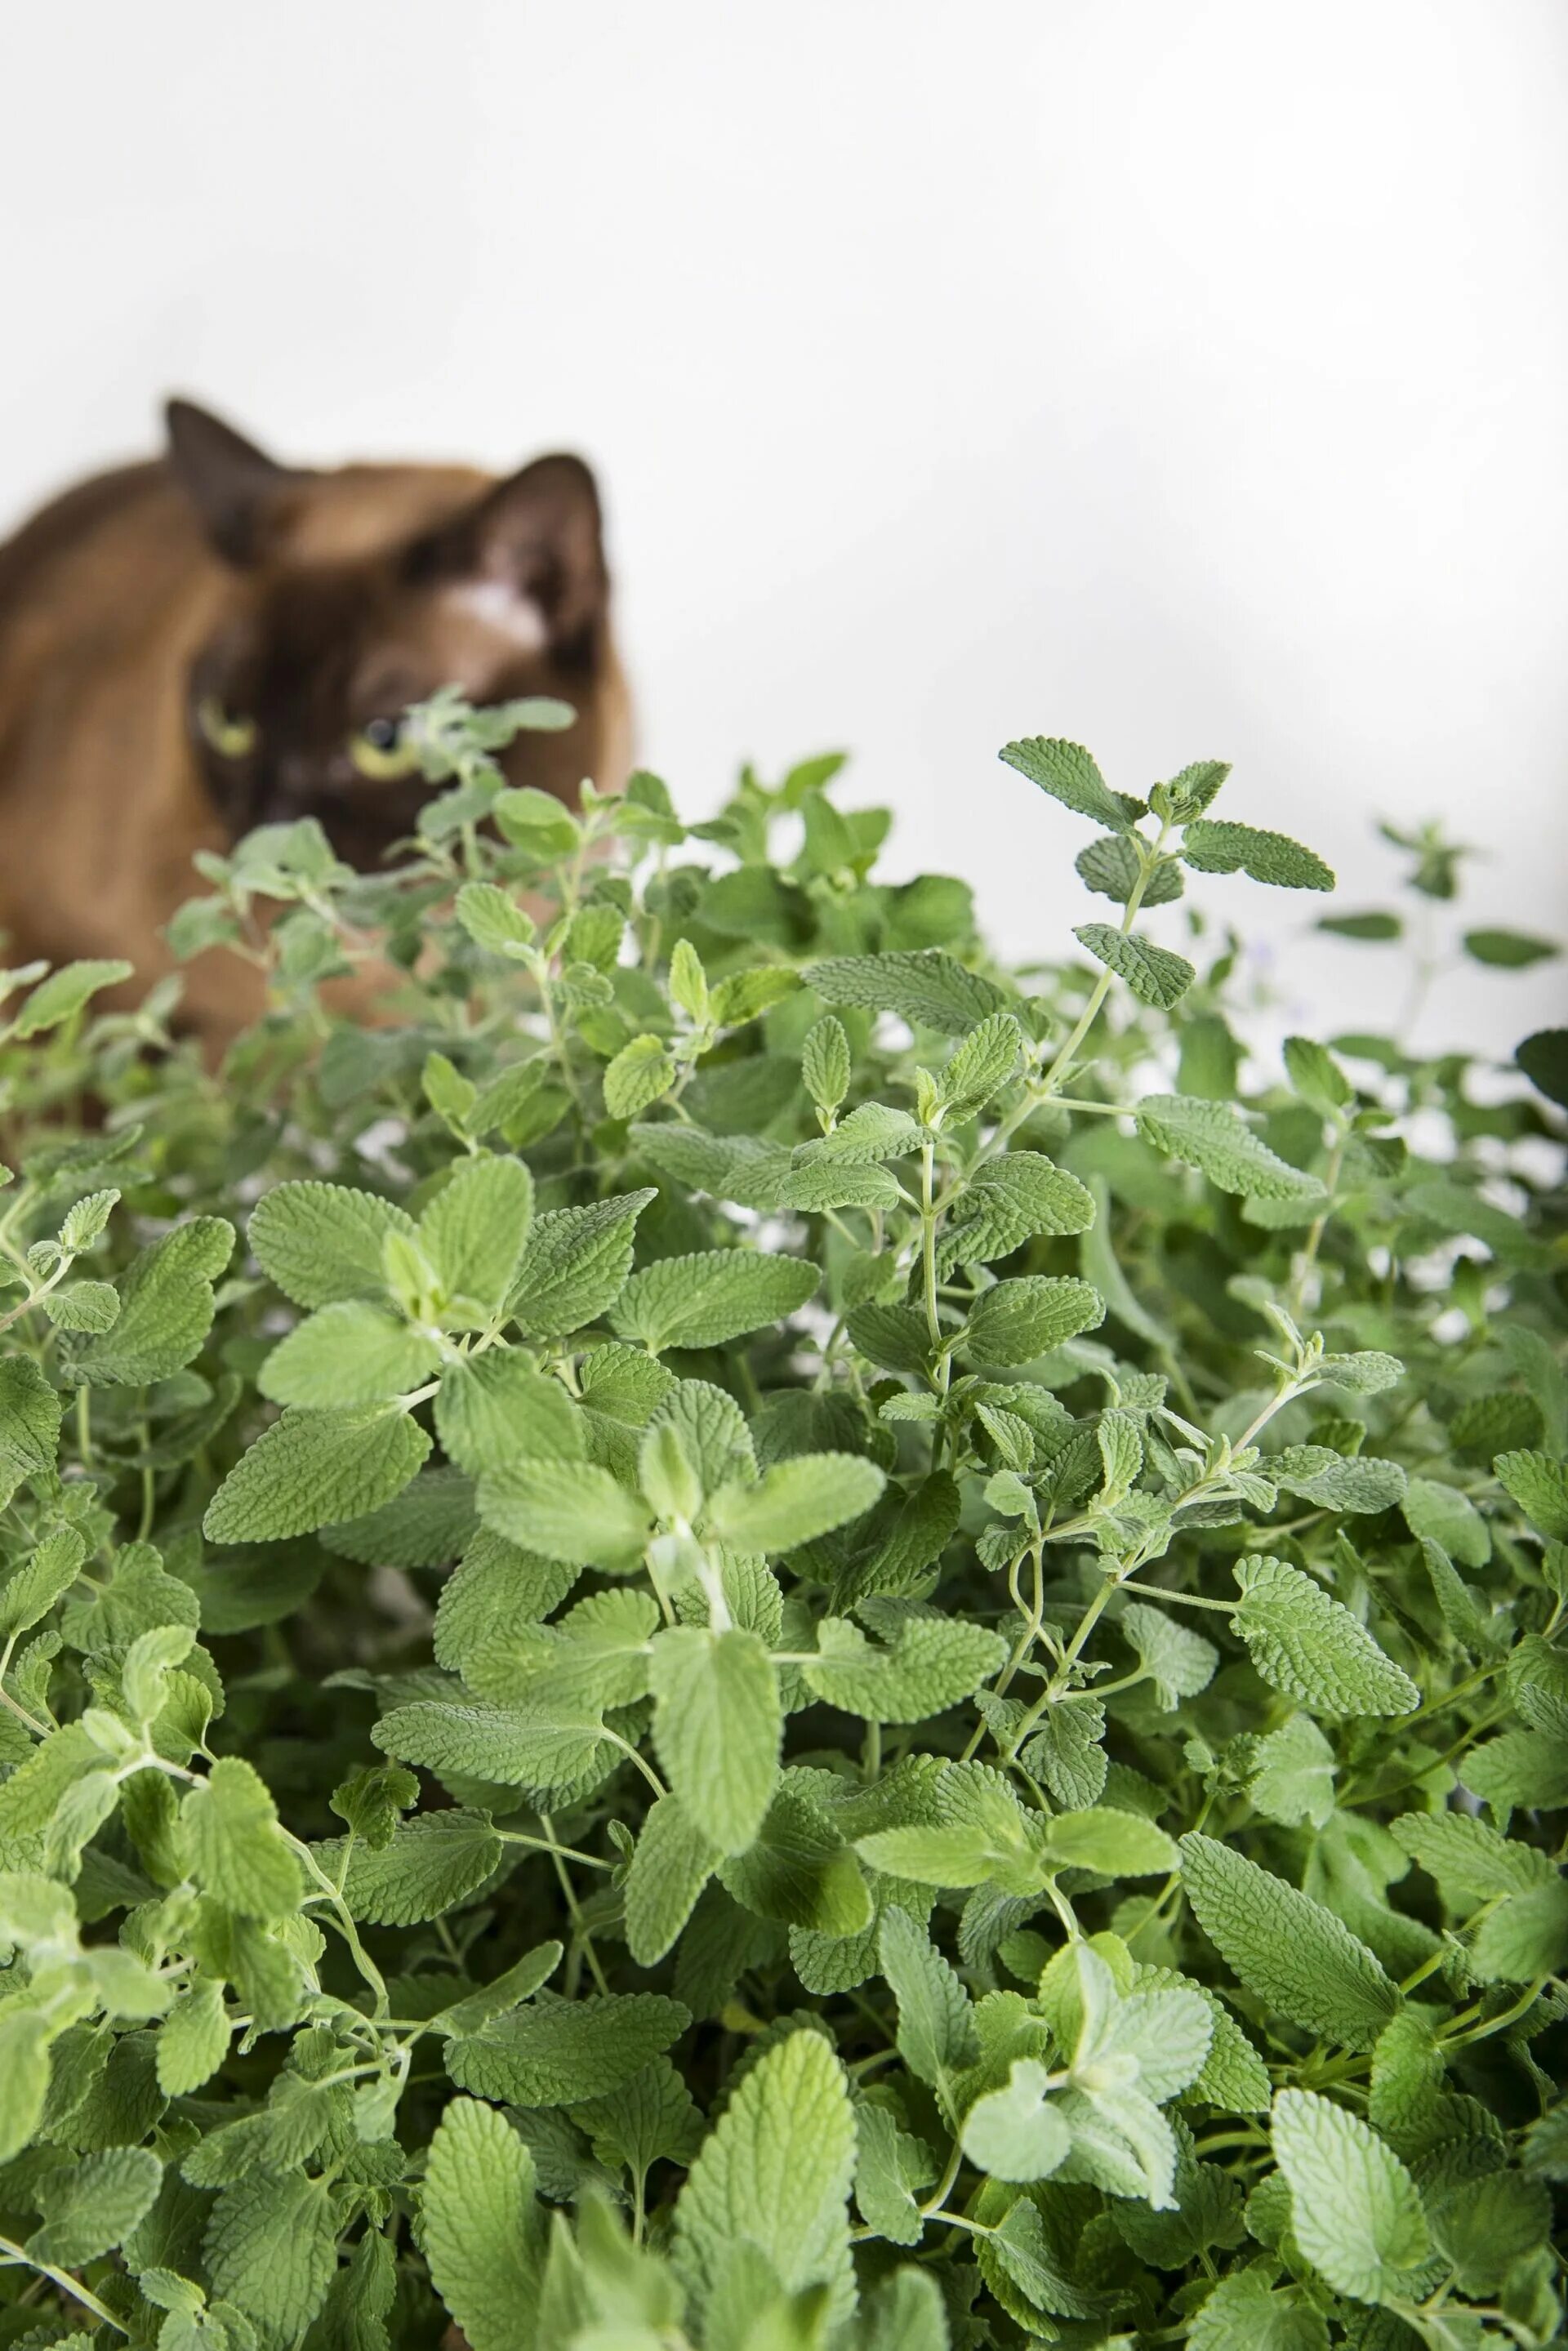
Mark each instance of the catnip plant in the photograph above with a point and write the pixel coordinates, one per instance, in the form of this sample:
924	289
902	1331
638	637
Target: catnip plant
743	1635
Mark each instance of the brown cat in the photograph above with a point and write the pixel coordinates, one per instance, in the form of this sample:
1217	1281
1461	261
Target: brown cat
213	641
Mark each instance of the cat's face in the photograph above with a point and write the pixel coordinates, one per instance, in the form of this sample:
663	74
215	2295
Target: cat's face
351	595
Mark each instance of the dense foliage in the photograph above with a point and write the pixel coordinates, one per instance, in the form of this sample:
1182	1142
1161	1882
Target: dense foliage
749	1636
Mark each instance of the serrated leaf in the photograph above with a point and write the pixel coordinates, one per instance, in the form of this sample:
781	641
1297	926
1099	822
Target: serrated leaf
166	1310
775	2174
1153	974
672	1864
354	1352
41	1580
473	1234
271	2248
1015	2132
1113	1843
554	2052
1285	1947
825	1063
55	1000
322	1242
314	1468
1068	773
928	988
193	2040
1179	1662
931	1663
795	1501
1355	2210
717	1726
1014	1321
1307	1646
574	1265
713	1296
1338	1482
94	2204
1272	857
430	1865
640	1072
495	1409
567	1510
1009	1201
1211	1137
1540	1486
233	1846
936	2037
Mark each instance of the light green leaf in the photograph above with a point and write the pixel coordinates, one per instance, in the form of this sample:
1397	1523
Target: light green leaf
1115	1844
1015	2132
495	1409
554	2052
936	2036
795	1501
41	1580
94	2203
1540	1486
1286	1948
166	1310
493	920
1212	1137
271	2248
233	1846
574	1265
1153	974
1272	857
672	1864
193	2040
432	1863
1355	2210
25	2036
1179	1662
638	1074
1014	1321
717	1726
314	1468
775	2173
353	1353
473	1234
933	1662
567	1510
55	1000
1008	1202
716	1295
29	1423
1307	1646
825	1063
322	1242
929	988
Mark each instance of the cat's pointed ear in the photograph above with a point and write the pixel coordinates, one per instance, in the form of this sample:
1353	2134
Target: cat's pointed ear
537	540
235	487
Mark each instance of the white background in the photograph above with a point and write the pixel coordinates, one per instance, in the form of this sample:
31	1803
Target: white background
1188	377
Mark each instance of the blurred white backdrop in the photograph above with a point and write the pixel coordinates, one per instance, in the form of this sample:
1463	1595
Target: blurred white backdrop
1189	376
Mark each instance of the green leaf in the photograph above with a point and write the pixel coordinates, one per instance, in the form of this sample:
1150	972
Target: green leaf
473	1234
775	2173
936	2036
540	1747
353	1353
929	988
193	2040
1115	1843
1355	2210
1508	950
1179	1662
1287	1949
1014	1321
322	1242
1271	857
672	1864
35	1586
25	2037
567	1510
233	1846
313	1468
1015	2132
83	1306
795	1501
94	2204
1068	773
1009	1201
166	1310
825	1063
29	1423
1540	1486
1245	2312
1153	974
495	1409
574	1264
713	1296
717	1726
432	1864
554	2052
638	1074
931	1663
1544	1057
1211	1137
801	1872
271	2248
984	1062
55	1000
1317	1474
1309	1647
1441	1514
493	920
1470	1861
1374	929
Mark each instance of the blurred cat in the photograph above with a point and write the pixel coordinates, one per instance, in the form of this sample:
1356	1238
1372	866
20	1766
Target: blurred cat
213	641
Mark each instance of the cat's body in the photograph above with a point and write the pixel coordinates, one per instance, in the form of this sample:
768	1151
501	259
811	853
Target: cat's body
194	646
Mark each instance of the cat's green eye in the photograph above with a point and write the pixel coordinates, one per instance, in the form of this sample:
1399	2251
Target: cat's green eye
230	737
384	751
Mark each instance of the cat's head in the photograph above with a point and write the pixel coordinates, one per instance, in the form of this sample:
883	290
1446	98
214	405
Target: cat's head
346	596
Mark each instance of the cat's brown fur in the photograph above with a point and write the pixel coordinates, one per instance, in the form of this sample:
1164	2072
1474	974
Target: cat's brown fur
310	602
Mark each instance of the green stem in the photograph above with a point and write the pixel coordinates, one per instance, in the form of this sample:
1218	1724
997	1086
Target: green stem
11	2253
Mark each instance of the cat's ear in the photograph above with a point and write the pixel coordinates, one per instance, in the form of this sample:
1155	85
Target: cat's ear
235	487
534	543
